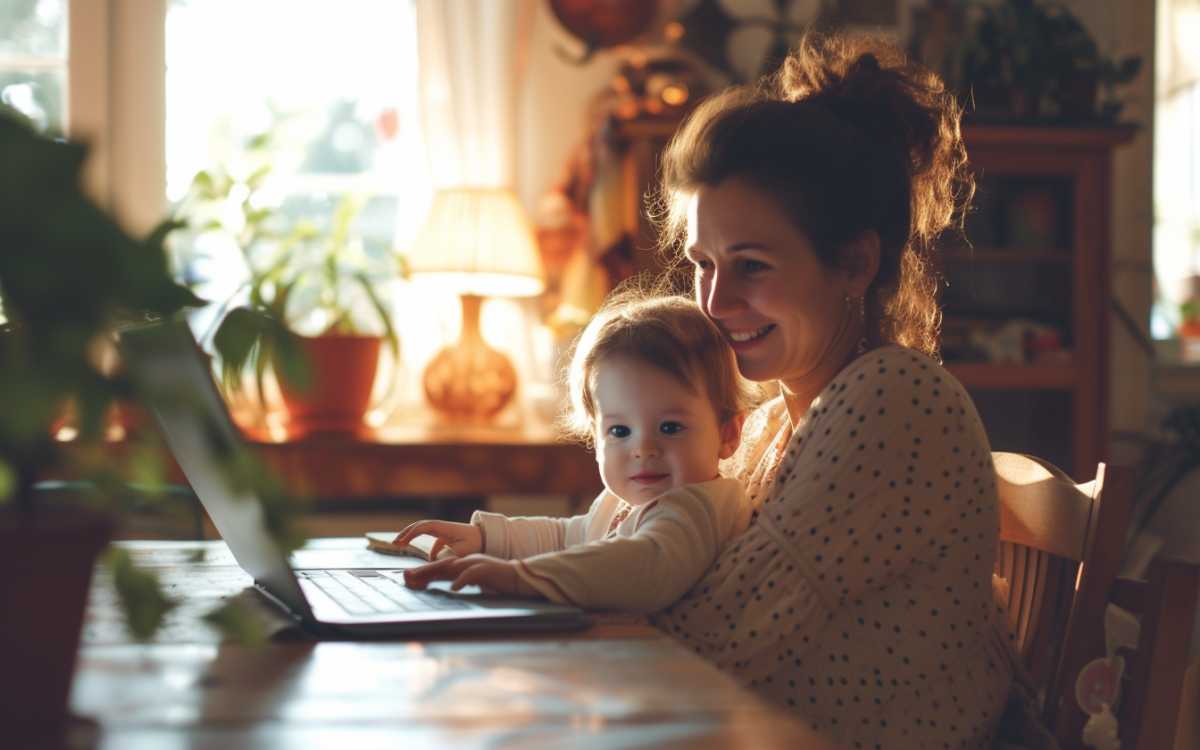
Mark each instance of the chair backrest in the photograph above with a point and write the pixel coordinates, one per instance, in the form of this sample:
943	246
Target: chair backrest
1060	549
1149	710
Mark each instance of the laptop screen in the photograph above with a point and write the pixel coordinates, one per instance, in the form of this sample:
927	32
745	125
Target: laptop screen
174	376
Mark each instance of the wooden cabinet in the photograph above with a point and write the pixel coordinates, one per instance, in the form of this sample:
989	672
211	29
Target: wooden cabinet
1038	267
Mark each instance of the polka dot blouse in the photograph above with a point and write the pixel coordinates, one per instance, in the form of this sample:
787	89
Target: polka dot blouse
860	597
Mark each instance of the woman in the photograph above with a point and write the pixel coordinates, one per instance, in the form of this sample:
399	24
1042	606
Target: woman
860	597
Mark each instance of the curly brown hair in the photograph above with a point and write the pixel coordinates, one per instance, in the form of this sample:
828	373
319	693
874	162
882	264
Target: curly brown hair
850	135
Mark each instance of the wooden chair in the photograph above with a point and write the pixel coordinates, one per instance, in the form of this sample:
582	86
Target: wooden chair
1149	710
1060	549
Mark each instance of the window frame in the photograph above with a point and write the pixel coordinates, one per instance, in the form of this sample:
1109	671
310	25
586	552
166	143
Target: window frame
116	102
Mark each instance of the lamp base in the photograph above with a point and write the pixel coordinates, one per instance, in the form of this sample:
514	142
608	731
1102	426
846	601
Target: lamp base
470	381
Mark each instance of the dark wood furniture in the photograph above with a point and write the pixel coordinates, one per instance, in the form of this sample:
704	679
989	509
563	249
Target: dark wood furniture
1041	251
1149	713
1061	545
461	464
620	684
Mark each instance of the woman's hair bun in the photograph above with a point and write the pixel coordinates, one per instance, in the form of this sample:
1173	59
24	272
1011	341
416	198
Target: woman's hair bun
872	84
850	135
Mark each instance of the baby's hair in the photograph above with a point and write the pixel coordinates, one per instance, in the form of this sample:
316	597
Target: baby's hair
668	332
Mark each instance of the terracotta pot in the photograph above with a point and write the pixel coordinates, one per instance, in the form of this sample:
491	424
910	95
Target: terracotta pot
343	372
47	556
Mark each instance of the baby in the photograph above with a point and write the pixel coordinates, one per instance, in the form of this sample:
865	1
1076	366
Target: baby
654	389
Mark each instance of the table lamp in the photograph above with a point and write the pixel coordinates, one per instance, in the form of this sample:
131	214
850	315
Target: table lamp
477	243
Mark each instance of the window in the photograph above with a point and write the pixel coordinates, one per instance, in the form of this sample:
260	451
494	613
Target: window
33	61
1176	163
323	102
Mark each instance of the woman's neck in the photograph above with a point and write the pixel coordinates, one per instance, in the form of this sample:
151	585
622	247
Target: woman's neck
799	393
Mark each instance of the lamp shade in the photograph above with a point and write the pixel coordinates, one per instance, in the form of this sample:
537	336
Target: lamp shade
477	241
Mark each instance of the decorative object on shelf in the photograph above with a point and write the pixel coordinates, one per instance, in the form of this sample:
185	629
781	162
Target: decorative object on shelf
747	45
600	24
1017	341
477	243
663	85
1189	331
1031	60
301	279
939	38
68	274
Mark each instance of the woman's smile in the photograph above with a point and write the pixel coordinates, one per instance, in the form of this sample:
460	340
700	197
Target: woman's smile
747	338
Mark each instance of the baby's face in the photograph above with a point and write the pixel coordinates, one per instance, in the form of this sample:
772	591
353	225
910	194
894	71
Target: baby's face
653	434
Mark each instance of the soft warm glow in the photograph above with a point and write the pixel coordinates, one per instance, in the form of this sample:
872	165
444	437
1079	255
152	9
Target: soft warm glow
675	95
478	242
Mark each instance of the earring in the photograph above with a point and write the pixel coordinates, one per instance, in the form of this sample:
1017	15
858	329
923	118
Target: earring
862	324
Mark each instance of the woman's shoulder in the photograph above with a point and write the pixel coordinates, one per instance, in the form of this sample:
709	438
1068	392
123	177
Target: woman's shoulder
894	387
892	356
891	363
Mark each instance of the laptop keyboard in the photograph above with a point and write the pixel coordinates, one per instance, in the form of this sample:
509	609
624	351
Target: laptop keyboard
363	592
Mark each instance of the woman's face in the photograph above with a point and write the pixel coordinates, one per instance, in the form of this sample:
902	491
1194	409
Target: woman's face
759	278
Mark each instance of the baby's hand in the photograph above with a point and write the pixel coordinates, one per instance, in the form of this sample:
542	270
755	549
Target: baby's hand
461	539
491	574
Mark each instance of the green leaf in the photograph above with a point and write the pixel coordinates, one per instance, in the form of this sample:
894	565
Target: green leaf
235	623
141	595
1128	69
202	182
244	333
390	332
158	236
8	482
350	206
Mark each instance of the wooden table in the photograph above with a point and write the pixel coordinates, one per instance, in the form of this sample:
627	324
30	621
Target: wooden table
616	685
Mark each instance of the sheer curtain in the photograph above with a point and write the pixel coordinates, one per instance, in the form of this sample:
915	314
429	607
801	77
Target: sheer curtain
468	79
1176	159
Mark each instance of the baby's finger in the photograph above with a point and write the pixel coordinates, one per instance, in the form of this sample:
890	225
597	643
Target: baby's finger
438	545
411	531
419	578
476	573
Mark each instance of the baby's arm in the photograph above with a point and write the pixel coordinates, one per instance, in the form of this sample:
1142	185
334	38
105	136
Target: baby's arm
503	537
518	538
677	537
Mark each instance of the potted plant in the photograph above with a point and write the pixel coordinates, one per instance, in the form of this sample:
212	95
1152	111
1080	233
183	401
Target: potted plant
1036	60
68	274
301	279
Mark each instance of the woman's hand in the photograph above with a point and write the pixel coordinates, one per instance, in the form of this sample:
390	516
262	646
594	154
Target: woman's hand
491	574
461	539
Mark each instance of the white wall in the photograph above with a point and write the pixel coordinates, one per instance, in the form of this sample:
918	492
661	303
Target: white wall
553	105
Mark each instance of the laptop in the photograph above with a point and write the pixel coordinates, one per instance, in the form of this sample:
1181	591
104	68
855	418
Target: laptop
176	379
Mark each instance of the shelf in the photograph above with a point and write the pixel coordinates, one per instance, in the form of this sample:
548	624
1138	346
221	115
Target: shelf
1100	138
1004	377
